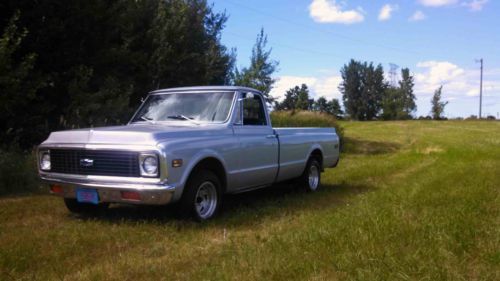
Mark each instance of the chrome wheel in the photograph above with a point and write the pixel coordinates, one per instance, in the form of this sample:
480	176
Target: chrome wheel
205	200
313	177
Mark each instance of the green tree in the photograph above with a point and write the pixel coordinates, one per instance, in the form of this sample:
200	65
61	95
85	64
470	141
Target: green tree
88	62
392	105
259	74
303	101
408	98
17	87
335	109
438	106
362	89
321	105
290	100
296	98
399	102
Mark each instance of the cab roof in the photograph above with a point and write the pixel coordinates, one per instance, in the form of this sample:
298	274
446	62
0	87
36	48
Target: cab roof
205	88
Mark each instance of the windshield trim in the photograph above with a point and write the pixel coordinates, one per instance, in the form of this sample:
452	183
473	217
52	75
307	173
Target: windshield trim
229	116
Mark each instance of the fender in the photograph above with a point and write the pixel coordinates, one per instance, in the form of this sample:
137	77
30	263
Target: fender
195	160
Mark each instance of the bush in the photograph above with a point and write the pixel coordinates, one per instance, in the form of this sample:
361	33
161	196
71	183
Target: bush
18	172
306	119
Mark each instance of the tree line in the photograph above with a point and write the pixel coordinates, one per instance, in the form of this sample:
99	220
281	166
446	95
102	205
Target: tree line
366	95
81	63
86	63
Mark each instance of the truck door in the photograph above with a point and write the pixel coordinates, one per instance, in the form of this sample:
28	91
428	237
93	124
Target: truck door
258	157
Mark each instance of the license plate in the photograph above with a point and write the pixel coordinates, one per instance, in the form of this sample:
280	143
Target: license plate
85	195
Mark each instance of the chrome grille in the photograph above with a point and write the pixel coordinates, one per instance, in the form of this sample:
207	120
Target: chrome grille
103	162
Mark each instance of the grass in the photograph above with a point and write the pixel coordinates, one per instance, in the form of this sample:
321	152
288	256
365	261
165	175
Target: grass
18	172
414	200
305	119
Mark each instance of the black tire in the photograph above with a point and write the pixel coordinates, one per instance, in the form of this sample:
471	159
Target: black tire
313	168
83	208
199	184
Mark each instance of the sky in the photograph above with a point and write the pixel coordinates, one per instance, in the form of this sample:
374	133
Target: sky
440	42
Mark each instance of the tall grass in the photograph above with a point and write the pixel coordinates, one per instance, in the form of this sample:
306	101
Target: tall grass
18	172
305	119
413	200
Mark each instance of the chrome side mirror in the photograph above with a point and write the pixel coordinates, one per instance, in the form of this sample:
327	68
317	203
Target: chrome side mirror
247	96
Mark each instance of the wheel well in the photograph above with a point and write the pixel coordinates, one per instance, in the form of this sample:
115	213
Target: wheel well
215	166
318	155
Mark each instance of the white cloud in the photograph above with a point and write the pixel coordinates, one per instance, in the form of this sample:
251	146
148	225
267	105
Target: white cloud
328	11
417	16
319	86
460	87
437	3
475	5
440	72
386	12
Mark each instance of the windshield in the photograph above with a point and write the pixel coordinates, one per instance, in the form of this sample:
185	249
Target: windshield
204	107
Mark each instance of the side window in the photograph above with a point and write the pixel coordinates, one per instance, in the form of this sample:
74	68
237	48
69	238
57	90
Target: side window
253	112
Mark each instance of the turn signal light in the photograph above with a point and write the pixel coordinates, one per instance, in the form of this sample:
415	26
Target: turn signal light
131	195
55	188
176	163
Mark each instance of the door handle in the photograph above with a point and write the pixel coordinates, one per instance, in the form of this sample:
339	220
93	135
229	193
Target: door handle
271	136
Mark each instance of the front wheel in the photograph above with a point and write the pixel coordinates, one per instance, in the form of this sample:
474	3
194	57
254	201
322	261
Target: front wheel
311	178
202	196
84	208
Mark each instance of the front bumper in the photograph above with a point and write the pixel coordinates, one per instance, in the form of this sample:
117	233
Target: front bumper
152	192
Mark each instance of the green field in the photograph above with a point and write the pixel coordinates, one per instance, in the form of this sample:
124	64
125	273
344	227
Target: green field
414	200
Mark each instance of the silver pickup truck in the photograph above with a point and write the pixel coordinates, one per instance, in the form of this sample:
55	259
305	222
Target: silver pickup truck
187	146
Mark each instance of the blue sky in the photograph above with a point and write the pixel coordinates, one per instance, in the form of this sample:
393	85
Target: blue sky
438	40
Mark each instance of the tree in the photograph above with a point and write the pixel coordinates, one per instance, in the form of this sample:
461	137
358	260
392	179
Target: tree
296	98
362	89
289	101
18	86
88	63
392	104
438	106
373	91
303	102
330	107
321	105
399	102
335	109
408	98
259	74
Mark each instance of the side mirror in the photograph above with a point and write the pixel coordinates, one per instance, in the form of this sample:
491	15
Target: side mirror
247	96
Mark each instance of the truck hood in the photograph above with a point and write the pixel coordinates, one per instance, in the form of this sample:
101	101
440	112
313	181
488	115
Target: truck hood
136	134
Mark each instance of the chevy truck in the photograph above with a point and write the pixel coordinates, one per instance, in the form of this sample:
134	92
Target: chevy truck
187	146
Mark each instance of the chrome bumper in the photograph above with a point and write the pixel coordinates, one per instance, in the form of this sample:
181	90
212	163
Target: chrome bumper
152	191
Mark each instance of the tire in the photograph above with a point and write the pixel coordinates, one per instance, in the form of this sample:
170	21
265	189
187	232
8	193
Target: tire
202	196
311	178
85	209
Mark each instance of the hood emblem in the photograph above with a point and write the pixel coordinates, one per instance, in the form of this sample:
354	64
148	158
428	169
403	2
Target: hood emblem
86	162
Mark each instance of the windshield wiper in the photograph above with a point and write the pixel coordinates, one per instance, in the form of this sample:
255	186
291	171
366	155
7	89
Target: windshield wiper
182	117
147	119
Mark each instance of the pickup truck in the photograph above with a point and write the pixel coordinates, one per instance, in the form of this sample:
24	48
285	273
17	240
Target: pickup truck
187	146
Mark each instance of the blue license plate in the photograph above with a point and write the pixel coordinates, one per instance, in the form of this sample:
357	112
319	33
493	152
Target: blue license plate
85	195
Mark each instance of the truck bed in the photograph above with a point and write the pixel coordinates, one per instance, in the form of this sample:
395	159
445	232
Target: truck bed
296	144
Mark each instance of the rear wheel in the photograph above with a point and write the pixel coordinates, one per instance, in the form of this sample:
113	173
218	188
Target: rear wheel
311	178
202	196
84	208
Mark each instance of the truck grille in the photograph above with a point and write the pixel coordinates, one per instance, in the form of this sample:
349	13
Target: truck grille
95	162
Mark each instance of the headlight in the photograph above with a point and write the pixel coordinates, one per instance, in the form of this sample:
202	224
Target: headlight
45	161
149	165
